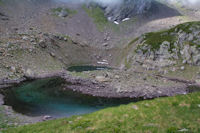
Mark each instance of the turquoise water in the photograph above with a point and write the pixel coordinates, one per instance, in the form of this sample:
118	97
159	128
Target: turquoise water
86	68
47	97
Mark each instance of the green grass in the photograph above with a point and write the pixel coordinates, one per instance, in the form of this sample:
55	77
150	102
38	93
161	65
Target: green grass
185	26
155	39
162	115
98	16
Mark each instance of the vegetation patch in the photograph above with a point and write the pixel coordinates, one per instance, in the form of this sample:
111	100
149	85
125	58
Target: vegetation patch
155	39
163	115
97	14
186	27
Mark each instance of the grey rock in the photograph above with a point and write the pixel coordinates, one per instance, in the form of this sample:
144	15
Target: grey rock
46	117
191	37
13	69
182	68
52	54
42	43
126	9
183	130
29	73
25	38
186	53
135	107
101	79
196	60
63	13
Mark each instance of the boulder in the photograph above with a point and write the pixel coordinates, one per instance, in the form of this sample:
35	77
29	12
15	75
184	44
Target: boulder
164	50
46	117
182	68
13	69
42	43
101	79
29	73
135	107
196	59
63	13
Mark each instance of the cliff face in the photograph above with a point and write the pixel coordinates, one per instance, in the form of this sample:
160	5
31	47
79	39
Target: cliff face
126	9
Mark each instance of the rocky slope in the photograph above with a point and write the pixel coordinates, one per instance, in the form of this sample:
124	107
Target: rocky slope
126	9
50	42
166	48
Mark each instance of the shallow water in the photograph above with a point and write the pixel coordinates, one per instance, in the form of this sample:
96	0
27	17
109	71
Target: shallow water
47	97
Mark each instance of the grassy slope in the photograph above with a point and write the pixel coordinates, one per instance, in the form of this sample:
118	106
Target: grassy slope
158	115
99	19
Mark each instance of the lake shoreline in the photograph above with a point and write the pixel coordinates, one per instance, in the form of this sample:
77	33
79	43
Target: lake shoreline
99	89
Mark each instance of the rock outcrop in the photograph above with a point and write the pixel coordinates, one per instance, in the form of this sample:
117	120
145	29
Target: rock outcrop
167	47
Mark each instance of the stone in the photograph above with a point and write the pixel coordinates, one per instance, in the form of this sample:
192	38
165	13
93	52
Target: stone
183	130
196	60
25	38
52	54
101	79
105	44
182	68
197	81
186	53
13	69
184	61
63	13
46	117
164	50
117	77
194	50
135	107
29	73
42	43
2	51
